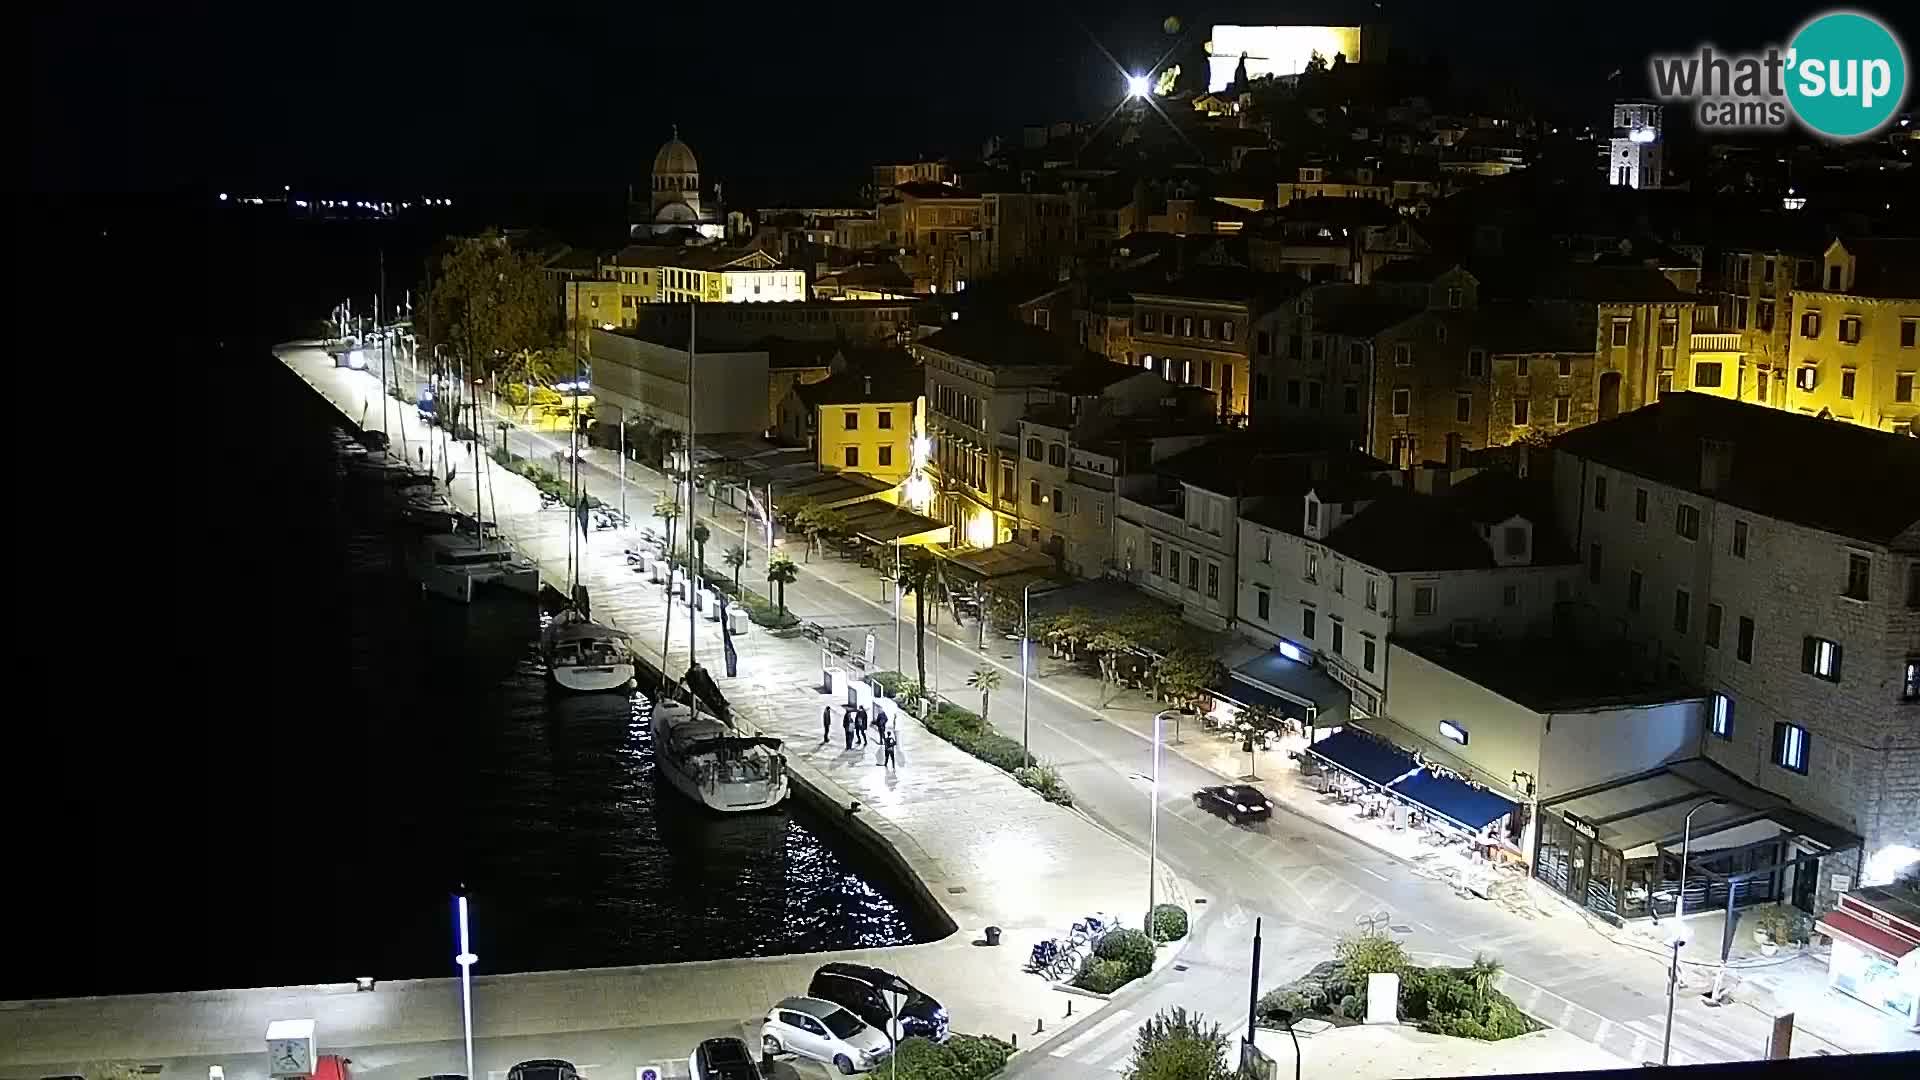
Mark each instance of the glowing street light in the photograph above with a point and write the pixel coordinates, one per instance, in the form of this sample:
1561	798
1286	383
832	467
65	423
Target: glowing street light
466	959
1137	86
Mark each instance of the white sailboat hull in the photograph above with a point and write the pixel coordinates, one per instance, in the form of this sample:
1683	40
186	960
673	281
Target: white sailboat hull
591	679
710	787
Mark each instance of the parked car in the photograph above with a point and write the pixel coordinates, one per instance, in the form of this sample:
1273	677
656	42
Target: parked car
857	987
823	1031
723	1059
544	1069
1236	802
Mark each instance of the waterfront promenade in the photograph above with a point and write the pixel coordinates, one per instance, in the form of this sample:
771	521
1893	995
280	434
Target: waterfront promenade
981	850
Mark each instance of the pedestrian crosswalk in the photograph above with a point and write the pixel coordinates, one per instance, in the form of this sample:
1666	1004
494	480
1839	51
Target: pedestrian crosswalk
1696	1040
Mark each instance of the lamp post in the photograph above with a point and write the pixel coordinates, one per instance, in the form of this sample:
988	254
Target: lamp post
1153	833
1679	931
1026	674
465	958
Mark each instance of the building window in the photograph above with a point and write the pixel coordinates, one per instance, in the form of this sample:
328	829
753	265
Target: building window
1006	484
1263	604
1562	409
1682	611
1634	581
1903	387
1033	492
1339	637
1453	732
1293	391
1520	365
1423	599
1373	594
1186	326
1059	502
1712	635
1454	297
1846	384
1809	324
1909	332
1807	377
1213	581
1790	747
1743	646
1669	333
1859	577
1593	563
1057	455
1706	373
1850	330
1312	572
1566	367
1366	654
1686	521
1403	356
1820	658
1463	408
1640	505
1306	623
853	457
1033	450
1350	399
1722	719
1599	493
1193	572
1510	596
886	419
886	456
1476	362
1913	586
1226	330
1153	563
1519	411
1402	401
1262	386
1515	539
1739	539
1620	329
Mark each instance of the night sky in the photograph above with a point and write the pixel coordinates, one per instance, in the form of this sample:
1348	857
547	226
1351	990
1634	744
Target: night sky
577	96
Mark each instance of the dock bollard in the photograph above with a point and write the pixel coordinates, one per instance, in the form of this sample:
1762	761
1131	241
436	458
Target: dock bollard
1039	1025
1069	1006
1015	1040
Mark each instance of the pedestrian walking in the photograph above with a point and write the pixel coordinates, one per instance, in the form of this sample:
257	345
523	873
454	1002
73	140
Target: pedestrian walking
846	719
860	726
888	740
880	724
826	725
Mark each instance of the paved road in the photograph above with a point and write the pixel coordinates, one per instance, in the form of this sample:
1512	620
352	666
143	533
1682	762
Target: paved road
1308	882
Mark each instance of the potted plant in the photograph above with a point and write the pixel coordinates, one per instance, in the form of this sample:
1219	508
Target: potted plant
1771	929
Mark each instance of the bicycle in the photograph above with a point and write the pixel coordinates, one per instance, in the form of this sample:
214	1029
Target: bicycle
1374	922
1066	967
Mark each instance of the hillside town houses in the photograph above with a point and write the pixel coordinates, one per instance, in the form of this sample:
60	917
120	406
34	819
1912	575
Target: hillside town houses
1583	491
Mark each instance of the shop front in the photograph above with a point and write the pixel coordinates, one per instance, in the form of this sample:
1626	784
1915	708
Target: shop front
1876	951
1615	848
1409	792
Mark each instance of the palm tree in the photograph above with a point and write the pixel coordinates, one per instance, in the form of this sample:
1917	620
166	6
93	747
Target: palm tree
667	509
736	557
1483	974
700	536
985	680
919	573
782	573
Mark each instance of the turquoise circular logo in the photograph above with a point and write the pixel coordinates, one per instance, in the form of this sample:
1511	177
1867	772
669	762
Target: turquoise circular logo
1847	74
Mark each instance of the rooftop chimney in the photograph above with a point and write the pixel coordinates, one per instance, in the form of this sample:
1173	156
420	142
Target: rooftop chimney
1716	464
868	381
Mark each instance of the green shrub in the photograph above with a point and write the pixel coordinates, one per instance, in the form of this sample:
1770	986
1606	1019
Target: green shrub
888	681
1104	976
1361	955
1128	946
1045	779
1282	999
1169	922
963	1057
1351	1008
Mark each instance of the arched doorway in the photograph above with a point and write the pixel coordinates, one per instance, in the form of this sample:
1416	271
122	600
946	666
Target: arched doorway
1609	395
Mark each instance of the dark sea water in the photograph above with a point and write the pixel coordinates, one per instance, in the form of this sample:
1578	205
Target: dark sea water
303	757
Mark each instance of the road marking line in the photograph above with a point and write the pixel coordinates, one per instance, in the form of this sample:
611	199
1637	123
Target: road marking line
1093	1032
1364	870
1346	902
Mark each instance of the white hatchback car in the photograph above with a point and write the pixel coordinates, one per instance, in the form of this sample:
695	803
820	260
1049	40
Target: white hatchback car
825	1032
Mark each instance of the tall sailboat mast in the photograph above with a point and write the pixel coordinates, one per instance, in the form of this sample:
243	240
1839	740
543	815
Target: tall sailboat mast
693	501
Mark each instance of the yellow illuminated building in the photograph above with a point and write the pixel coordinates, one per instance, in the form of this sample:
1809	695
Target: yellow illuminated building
1855	352
865	420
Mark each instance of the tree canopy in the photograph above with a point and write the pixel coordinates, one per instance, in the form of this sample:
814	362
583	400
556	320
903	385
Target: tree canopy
488	304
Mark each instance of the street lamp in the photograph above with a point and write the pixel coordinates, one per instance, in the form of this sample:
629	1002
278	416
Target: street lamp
1679	930
465	958
1137	86
1026	675
1153	831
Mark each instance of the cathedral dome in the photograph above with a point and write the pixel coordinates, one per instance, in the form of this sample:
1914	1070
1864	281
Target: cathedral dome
675	159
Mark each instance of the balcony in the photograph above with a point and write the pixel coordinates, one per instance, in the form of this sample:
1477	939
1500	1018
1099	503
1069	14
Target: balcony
1716	342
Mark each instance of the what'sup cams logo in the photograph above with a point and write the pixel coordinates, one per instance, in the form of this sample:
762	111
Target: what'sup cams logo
1843	76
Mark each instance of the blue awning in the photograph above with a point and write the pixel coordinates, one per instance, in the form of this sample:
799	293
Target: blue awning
1467	806
1246	694
1367	758
1302	682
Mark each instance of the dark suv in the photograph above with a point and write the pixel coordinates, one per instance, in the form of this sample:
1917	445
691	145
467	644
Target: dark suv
857	987
544	1069
723	1059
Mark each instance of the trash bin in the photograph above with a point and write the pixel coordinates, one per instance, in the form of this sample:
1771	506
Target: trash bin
993	935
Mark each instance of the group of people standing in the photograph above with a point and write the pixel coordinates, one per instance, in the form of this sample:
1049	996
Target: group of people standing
855	720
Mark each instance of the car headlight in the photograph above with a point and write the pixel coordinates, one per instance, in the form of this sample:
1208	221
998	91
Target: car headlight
1240	808
1269	804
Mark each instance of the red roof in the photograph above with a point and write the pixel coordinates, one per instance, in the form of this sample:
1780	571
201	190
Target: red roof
1865	934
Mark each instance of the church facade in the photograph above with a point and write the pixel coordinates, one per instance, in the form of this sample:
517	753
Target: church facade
675	200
